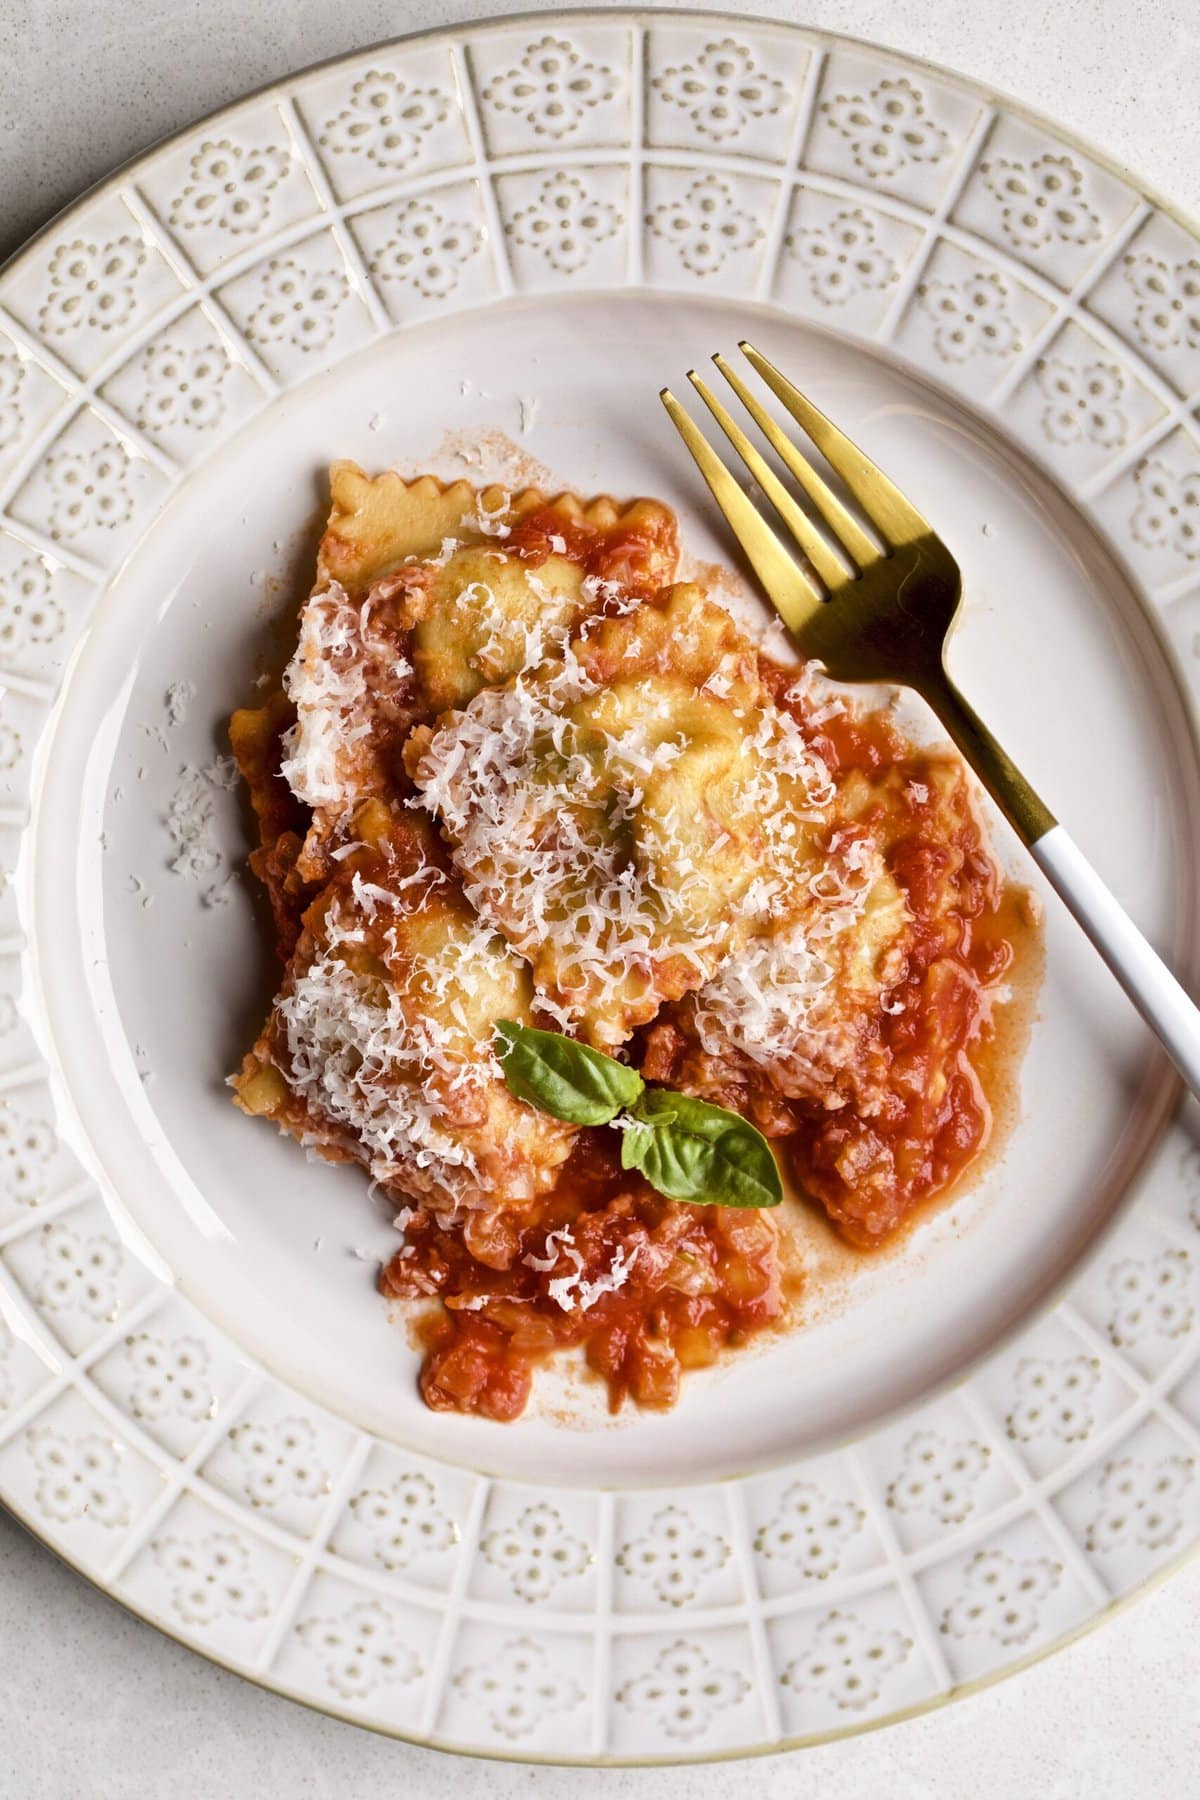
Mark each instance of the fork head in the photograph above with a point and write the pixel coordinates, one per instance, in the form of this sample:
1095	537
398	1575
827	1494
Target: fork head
871	606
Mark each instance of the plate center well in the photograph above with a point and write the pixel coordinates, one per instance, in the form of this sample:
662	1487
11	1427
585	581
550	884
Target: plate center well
156	979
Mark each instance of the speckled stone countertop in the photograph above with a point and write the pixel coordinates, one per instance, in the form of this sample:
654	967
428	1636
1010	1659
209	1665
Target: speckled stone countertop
98	1704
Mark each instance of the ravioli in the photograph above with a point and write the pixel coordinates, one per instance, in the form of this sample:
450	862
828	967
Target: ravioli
379	1045
858	1015
513	773
630	813
787	1016
424	594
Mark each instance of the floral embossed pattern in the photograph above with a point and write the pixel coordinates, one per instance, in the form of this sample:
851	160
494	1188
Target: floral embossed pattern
842	258
887	127
519	1690
1150	1298
404	1521
30	619
673	1556
565	222
183	386
26	1145
536	1552
552	88
683	1691
229	188
361	1649
721	90
809	1530
210	1579
426	249
299	305
386	120
705	225
1168	300
1142	1503
168	1376
1083	401
1054	1399
89	489
92	285
279	1461
1041	200
78	1273
1002	1597
971	317
939	1478
1168	512
847	1662
78	1478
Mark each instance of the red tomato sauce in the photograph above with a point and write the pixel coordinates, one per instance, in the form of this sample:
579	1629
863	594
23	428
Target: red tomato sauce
700	1279
924	1114
704	1279
629	553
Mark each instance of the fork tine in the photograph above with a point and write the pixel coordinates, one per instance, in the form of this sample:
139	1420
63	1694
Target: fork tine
794	596
829	567
841	522
894	517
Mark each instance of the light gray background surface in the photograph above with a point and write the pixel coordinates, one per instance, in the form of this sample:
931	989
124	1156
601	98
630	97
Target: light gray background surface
95	1704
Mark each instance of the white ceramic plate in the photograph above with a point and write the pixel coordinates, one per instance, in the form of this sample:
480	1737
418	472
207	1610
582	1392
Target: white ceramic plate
526	228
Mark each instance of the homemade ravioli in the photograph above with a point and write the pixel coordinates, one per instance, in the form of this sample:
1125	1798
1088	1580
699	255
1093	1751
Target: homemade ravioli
513	774
424	594
630	813
378	1047
787	1008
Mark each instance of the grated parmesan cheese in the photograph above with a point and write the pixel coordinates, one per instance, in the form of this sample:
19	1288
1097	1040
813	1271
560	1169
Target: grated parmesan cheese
570	1291
594	829
326	682
492	520
393	1048
178	699
355	1056
191	819
777	1000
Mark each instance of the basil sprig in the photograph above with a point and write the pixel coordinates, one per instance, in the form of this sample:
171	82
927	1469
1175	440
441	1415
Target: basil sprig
564	1078
690	1150
686	1148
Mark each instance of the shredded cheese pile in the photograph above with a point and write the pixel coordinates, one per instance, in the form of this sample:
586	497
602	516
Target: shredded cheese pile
630	814
778	999
326	682
571	1292
395	1062
597	869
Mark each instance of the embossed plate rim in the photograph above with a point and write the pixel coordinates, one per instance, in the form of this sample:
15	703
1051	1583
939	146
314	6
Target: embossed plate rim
754	1611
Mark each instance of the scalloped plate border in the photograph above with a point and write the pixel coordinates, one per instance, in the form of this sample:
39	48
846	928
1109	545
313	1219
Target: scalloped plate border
878	195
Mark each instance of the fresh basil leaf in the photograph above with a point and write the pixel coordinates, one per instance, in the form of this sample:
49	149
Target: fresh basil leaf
634	1140
566	1079
684	1147
690	1150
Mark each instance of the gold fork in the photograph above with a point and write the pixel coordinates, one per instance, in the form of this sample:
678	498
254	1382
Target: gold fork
882	611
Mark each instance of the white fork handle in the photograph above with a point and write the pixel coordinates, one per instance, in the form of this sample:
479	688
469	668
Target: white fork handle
1151	986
